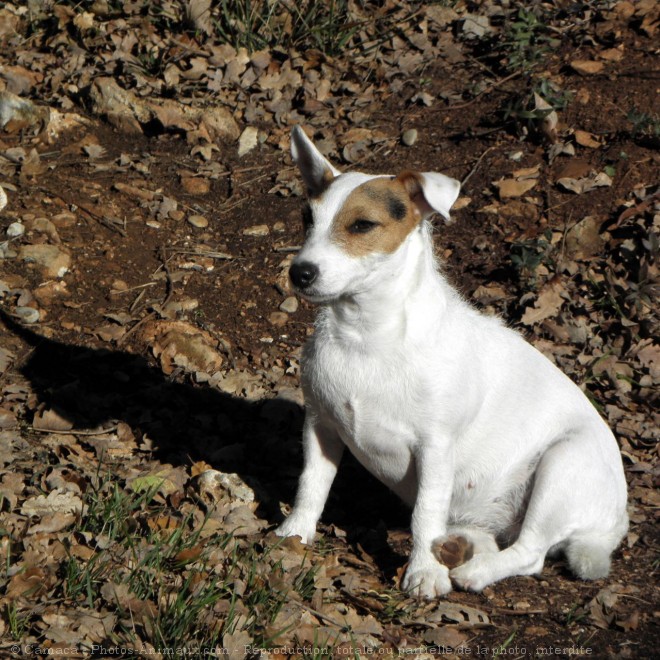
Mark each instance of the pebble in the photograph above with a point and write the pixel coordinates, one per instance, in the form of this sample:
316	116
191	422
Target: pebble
290	305
15	230
195	185
278	319
27	314
409	137
256	230
53	262
198	221
248	140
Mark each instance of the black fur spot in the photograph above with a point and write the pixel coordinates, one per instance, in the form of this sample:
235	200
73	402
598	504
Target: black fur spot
396	208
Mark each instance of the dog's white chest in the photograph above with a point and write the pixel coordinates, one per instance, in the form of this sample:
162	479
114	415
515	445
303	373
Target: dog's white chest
361	397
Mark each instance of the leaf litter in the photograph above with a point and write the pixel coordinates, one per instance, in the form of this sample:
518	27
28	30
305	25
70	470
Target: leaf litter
149	426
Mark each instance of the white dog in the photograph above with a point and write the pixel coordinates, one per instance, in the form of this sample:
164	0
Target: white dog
470	425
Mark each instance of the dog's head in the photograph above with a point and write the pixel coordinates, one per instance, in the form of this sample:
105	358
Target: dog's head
358	225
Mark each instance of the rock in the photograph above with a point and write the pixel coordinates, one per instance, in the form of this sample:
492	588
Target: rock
248	140
17	113
51	259
128	112
195	185
198	221
27	314
64	220
290	305
15	230
278	319
123	109
45	293
43	226
409	137
257	230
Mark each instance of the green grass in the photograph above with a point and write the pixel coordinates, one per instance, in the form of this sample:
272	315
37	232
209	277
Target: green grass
177	587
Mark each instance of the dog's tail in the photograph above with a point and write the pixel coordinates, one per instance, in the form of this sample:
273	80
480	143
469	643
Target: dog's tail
588	555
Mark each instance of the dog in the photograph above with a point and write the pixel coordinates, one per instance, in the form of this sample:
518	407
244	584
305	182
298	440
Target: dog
488	442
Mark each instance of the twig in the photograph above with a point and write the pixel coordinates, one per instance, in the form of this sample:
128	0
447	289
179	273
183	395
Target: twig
162	253
487	90
506	612
102	220
476	165
110	429
320	615
202	253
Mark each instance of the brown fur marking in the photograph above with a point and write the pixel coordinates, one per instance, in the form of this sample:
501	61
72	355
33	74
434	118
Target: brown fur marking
385	202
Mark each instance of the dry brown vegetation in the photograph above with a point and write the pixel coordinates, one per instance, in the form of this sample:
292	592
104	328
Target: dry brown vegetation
149	351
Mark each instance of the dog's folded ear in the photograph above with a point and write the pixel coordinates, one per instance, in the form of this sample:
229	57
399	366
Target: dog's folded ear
316	170
431	192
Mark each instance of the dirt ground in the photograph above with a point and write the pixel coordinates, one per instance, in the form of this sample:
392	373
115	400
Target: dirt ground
171	339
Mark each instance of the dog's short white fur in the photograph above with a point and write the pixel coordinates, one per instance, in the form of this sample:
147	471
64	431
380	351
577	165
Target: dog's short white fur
468	423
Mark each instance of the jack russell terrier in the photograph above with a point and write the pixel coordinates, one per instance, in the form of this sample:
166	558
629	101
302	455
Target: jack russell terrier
489	443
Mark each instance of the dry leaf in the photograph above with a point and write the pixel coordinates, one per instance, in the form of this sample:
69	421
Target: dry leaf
585	139
547	304
512	188
50	420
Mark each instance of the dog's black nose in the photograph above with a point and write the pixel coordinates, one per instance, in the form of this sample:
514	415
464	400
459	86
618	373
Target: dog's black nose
303	274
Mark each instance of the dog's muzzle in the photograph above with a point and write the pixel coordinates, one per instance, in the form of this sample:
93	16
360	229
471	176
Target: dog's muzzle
303	274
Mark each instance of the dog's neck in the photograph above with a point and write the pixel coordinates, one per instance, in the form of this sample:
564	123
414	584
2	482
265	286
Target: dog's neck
395	308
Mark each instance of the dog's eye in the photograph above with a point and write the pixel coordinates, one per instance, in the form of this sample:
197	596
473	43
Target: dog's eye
362	226
307	218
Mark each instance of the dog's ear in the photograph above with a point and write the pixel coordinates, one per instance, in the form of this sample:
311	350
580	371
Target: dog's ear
316	170
431	192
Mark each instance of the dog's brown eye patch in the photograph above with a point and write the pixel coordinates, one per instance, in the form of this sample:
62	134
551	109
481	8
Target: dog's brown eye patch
396	207
375	218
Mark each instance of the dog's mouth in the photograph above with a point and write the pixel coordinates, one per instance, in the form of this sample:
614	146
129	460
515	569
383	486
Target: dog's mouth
315	298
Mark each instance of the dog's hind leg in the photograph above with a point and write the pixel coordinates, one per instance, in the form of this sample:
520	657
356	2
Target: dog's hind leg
578	501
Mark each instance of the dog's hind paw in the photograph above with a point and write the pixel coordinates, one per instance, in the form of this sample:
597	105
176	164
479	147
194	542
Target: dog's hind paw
426	582
452	551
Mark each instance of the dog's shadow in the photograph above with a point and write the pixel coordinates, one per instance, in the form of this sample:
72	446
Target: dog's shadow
180	423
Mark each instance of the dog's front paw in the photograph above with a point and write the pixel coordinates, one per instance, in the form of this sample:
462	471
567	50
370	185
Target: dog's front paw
293	527
426	580
474	575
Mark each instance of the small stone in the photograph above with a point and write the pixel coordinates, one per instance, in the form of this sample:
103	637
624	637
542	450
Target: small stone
257	230
64	220
27	314
15	230
279	227
198	221
290	305
248	140
409	137
194	185
50	258
278	319
177	215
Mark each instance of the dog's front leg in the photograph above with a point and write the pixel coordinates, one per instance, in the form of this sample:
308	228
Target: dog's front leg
426	577
322	451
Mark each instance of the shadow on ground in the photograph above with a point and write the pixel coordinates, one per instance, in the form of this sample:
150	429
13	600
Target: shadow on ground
181	423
